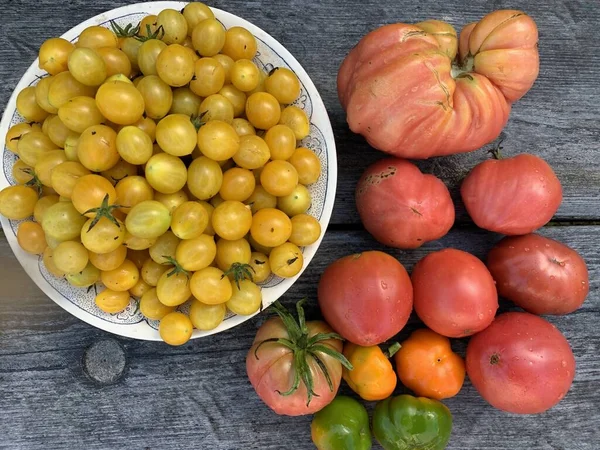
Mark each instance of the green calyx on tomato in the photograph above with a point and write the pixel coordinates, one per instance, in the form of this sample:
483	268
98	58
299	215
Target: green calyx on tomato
35	182
240	272
157	34
177	269
412	423
128	31
303	348
104	210
341	425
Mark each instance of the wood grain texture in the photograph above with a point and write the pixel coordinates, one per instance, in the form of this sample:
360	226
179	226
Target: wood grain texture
198	395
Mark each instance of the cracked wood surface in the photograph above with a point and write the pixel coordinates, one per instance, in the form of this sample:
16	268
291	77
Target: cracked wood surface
198	395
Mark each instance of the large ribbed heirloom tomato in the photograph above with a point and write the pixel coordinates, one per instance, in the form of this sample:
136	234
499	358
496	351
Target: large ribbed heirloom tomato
420	90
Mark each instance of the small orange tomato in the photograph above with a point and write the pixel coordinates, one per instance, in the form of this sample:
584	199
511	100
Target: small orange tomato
373	376
427	366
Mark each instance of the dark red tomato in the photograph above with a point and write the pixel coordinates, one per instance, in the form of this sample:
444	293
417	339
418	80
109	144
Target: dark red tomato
401	207
521	363
539	274
367	297
512	196
454	293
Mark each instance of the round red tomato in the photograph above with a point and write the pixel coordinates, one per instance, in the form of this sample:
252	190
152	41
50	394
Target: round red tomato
454	293
278	372
539	274
367	297
512	196
521	363
401	207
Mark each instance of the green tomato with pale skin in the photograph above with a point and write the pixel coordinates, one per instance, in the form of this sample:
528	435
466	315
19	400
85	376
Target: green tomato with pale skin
341	425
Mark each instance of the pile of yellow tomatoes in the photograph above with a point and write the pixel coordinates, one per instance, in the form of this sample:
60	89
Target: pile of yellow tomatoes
159	159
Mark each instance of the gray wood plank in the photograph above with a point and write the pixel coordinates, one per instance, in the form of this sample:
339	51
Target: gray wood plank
558	119
199	393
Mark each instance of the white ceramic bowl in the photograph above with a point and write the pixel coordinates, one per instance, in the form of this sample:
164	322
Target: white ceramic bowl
130	323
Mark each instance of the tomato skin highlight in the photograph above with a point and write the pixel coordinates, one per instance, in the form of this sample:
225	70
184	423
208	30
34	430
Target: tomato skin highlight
372	304
539	274
521	363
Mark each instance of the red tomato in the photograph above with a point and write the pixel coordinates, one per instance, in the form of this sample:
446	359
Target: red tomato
401	207
539	274
521	363
512	196
367	297
278	372
455	294
406	92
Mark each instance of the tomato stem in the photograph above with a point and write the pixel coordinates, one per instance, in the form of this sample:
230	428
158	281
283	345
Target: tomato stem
128	31
393	349
177	269
34	182
104	210
240	272
495	152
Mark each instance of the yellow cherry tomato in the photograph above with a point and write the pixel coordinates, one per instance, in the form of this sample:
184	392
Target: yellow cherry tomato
112	302
286	260
207	317
210	286
152	308
122	278
175	328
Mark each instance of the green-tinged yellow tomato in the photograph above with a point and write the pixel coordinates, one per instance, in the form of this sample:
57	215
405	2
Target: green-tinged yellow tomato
28	107
271	227
120	102
253	152
196	254
96	37
54	55
211	286
148	220
195	13
242	127
239	44
174	25
166	173
112	302
175	65
207	317
134	145
87	277
295	203
173	289
236	97
238	184
87	66
204	178
286	260
227	64
208	78
216	107
140	288
46	164
17	202
176	135
152	308
62	222
306	230
42	206
48	259
230	252
80	113
307	165
279	178
137	243
208	37
131	46
185	102
231	220
31	238
148	54
296	119
218	140
261	269
175	328
110	260
172	201
245	299
97	148
115	60
71	144
157	96
261	199
190	219
245	75
14	134
283	84
151	271
41	95
64	87
122	278
70	257
281	141
164	249
104	237
32	145
263	110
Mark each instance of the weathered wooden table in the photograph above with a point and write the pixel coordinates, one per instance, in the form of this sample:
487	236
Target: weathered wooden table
151	396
